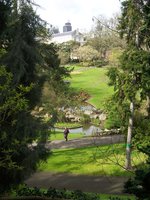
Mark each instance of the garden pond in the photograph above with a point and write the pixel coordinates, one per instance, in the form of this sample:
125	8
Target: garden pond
86	130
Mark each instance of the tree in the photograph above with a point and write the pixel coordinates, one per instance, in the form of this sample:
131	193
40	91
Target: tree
67	51
56	91
18	127
87	53
18	130
132	78
25	61
104	35
134	25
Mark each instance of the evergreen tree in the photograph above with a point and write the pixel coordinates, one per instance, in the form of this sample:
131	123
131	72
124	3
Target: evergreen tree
26	61
132	78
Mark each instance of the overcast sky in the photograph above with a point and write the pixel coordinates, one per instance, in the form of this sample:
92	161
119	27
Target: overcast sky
78	12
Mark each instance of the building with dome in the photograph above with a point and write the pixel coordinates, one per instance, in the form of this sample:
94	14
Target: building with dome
68	35
67	27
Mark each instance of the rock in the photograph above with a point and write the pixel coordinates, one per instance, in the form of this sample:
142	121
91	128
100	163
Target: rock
102	117
95	116
46	115
41	109
88	112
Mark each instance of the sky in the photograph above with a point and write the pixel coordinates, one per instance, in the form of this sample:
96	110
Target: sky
78	12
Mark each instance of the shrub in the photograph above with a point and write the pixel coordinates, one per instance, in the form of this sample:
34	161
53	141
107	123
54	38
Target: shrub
85	119
140	185
60	194
99	63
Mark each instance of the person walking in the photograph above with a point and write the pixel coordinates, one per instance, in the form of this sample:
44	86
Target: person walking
66	131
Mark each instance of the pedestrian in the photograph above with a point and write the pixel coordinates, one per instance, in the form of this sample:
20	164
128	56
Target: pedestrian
66	131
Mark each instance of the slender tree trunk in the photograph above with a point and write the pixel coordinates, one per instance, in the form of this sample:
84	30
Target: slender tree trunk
130	124
148	105
129	137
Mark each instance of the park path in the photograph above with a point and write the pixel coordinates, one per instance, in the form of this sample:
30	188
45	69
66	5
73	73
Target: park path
85	183
96	184
86	141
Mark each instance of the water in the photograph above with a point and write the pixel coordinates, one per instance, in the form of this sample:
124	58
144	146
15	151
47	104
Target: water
87	107
86	130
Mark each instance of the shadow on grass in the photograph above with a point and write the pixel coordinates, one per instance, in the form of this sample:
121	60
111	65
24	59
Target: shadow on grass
105	160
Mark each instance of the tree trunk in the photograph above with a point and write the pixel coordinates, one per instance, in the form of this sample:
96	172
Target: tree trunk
148	105
129	136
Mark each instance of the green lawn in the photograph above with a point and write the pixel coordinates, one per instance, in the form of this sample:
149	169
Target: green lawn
91	160
120	197
60	136
94	82
67	124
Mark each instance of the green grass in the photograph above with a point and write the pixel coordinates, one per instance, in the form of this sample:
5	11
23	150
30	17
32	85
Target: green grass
67	124
60	136
91	160
121	197
94	81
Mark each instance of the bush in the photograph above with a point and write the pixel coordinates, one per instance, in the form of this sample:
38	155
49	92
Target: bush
61	117
85	119
140	185
53	193
99	63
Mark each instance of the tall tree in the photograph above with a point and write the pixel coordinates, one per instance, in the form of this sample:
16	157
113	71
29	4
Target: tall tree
25	61
105	35
132	78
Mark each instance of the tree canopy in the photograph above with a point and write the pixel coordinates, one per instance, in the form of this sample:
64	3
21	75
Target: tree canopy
131	80
26	62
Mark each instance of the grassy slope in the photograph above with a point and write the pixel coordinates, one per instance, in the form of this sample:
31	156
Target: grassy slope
91	160
94	81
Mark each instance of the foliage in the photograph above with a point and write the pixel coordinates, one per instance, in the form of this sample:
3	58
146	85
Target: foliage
114	55
64	57
141	131
105	36
139	186
15	154
135	19
55	93
85	119
22	54
131	79
87	53
134	26
28	63
53	72
64	194
67	51
98	63
115	117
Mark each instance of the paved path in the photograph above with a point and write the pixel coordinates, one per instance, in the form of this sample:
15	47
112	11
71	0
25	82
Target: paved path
98	184
87	141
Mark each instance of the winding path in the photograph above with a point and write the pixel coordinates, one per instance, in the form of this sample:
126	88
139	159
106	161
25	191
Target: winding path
85	183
